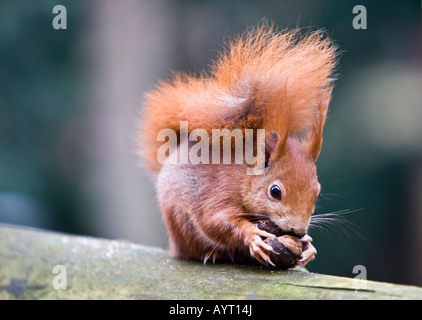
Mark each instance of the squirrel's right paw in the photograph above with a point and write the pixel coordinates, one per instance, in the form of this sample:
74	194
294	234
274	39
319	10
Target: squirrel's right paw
259	249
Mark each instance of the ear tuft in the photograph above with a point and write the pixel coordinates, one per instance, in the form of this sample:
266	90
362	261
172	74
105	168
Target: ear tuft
313	143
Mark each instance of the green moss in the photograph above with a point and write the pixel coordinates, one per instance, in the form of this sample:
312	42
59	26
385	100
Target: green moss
106	269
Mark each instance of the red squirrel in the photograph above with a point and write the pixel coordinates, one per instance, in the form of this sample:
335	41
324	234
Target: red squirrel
277	80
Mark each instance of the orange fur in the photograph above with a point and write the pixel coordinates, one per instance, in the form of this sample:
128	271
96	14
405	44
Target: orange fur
280	81
264	79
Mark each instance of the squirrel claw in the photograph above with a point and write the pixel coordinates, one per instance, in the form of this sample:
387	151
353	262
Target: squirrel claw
258	250
308	253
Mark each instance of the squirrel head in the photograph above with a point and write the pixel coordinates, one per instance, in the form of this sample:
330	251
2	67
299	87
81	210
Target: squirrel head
287	190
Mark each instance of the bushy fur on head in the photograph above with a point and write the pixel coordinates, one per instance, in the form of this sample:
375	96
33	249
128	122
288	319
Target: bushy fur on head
267	78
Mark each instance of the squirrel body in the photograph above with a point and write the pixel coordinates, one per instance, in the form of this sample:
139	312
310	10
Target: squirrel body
279	81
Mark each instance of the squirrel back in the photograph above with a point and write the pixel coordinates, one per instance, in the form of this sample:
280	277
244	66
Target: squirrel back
265	78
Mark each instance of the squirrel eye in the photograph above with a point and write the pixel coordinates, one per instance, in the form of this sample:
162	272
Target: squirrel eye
275	192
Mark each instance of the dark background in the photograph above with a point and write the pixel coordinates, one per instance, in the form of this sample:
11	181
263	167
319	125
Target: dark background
69	100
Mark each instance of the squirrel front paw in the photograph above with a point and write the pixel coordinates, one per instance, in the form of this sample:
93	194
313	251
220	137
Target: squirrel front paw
260	250
308	253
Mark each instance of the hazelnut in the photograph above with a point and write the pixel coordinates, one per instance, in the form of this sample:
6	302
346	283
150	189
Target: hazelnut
288	247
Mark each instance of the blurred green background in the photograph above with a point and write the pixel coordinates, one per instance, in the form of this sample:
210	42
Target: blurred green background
69	100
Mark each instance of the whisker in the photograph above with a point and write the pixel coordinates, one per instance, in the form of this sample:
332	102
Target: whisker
315	227
335	221
331	195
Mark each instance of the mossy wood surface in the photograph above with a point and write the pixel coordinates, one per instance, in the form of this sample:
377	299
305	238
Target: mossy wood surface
106	269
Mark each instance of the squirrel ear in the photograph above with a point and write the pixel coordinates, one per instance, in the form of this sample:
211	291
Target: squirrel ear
270	144
313	142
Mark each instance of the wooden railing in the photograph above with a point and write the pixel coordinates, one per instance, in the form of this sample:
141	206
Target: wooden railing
37	264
